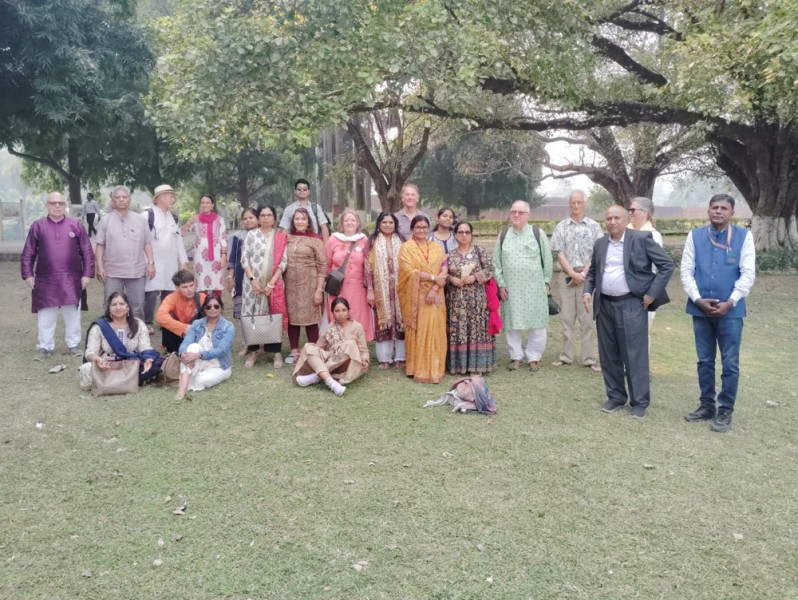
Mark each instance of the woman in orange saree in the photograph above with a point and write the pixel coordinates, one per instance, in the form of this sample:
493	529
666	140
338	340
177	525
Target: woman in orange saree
422	276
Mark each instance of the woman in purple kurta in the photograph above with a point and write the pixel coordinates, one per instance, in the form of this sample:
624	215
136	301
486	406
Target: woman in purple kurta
57	255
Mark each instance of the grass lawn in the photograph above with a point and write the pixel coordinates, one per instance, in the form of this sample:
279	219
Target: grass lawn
294	493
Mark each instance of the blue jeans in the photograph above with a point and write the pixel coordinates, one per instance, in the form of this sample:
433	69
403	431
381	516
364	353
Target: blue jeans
711	334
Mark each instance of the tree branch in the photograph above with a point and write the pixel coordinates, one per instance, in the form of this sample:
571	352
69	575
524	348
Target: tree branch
619	56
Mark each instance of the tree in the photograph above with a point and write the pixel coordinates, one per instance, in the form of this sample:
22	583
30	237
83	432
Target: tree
481	169
280	71
72	73
627	161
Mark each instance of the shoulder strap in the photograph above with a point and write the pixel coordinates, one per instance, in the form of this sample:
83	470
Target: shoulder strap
501	238
151	218
349	252
113	340
315	208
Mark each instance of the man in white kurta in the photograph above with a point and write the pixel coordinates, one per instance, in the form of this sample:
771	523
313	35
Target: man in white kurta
168	250
523	268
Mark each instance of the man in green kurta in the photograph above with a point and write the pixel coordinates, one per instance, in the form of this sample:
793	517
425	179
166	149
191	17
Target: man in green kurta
523	271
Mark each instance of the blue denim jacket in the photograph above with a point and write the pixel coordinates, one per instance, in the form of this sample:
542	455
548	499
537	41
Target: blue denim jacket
222	338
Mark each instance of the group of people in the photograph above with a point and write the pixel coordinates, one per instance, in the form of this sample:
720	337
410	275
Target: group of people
429	297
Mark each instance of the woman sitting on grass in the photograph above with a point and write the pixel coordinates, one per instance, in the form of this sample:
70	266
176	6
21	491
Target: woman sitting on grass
206	352
118	335
339	357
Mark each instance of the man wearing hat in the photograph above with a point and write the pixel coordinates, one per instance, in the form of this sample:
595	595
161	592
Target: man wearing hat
168	250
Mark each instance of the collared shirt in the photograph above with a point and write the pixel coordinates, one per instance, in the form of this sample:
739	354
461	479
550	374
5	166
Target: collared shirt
613	281
123	241
576	239
319	217
404	223
742	286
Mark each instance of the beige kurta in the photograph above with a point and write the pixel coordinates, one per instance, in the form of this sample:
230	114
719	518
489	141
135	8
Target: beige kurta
306	262
343	353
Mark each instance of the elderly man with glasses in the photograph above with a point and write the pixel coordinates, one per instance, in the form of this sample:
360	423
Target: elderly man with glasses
523	268
57	264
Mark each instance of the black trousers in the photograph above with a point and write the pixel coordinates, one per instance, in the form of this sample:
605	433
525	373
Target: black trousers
622	330
90	223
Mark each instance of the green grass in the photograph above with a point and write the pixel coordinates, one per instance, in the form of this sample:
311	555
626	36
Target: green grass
287	488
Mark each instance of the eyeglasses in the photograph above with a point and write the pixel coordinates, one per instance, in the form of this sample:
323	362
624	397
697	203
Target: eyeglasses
464	232
518	212
634	210
212	307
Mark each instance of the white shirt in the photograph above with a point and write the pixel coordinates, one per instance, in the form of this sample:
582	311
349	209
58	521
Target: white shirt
168	250
742	286
613	281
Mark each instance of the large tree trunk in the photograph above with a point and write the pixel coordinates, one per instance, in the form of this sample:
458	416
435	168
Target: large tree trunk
762	161
242	184
73	172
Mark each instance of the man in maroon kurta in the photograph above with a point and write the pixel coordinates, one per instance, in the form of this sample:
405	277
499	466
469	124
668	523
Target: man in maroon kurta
57	263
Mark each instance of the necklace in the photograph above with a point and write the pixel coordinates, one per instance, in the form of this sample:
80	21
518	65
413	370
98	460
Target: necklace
425	251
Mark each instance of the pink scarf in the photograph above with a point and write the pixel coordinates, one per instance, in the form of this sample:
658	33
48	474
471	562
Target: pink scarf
208	220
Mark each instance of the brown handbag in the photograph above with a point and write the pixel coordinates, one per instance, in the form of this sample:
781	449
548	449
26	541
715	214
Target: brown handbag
121	378
262	329
170	370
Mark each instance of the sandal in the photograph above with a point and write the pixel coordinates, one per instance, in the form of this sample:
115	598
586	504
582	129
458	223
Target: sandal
559	363
250	362
400	364
291	358
278	361
384	366
534	366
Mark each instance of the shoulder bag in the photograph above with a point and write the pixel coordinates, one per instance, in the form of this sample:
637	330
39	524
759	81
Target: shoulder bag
335	278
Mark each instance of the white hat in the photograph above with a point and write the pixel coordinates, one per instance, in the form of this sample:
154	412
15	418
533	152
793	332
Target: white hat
162	189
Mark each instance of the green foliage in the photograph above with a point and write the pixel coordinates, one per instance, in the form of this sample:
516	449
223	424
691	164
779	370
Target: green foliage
480	169
72	76
600	199
783	261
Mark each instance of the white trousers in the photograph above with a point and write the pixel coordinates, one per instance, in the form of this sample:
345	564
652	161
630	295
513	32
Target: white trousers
203	375
48	317
534	347
390	351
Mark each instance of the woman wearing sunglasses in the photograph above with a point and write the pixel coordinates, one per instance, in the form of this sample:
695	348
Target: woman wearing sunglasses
206	352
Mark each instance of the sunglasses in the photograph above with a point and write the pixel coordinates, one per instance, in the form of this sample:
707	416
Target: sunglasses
212	306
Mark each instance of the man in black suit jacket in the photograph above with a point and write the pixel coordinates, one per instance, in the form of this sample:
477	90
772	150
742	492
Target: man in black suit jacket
621	287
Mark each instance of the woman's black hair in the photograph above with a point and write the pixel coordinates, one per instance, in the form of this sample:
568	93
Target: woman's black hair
306	212
132	323
380	218
271	208
418	218
250	209
337	301
212	199
456	226
440	212
209	297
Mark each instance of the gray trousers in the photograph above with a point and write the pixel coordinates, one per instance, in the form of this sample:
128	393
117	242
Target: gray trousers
150	300
622	328
132	288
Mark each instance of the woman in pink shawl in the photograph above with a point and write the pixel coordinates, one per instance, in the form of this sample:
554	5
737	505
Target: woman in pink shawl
210	247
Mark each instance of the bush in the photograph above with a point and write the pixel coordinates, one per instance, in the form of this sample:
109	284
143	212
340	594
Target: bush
785	260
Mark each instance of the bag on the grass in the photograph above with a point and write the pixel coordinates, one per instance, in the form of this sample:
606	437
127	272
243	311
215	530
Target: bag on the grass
469	394
121	378
170	370
262	329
